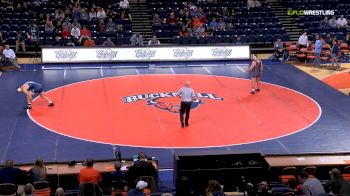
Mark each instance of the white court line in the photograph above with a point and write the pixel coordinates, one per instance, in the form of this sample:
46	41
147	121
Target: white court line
172	70
240	68
101	72
172	147
268	67
206	69
85	67
283	146
52	68
165	169
194	65
243	64
128	66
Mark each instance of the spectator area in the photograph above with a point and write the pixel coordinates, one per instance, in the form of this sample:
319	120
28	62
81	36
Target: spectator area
35	14
256	25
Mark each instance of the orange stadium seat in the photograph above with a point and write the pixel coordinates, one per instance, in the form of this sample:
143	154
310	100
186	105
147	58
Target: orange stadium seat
287	174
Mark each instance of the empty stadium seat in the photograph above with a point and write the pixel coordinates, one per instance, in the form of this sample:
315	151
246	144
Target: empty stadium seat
8	189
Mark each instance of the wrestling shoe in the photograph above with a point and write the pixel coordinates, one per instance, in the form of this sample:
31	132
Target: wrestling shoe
28	107
51	104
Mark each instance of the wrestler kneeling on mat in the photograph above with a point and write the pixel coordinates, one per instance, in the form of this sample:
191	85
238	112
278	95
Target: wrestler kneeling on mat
32	88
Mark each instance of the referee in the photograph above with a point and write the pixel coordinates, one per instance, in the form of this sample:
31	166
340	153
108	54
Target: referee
187	95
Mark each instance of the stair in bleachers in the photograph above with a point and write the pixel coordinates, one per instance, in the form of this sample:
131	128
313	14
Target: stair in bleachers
141	19
292	28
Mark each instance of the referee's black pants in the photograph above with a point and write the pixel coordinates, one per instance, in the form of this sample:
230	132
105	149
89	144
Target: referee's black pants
185	108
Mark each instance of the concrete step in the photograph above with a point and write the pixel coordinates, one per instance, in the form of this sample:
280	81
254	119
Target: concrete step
138	5
274	6
142	26
138	10
286	22
140	21
138	15
135	21
142	29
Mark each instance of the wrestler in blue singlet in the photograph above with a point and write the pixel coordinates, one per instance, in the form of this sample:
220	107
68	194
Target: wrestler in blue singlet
34	87
256	72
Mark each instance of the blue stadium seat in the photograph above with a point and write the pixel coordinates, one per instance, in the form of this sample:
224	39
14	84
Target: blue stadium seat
251	39
244	39
14	28
100	40
128	33
94	33
127	40
25	15
127	27
156	27
24	28
11	40
285	38
185	41
158	33
48	40
194	40
177	40
6	21
269	39
260	39
119	41
210	40
12	33
226	39
202	40
5	28
8	14
15	21
218	39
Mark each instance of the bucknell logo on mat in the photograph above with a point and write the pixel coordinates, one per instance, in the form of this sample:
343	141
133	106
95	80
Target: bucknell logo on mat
169	101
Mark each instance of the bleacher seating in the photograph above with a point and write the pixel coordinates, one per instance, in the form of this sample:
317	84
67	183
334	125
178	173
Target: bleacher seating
256	25
13	21
312	23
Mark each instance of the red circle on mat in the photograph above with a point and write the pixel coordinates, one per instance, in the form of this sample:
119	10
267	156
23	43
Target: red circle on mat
95	110
338	81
